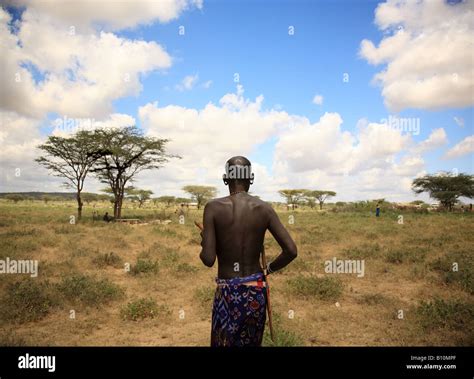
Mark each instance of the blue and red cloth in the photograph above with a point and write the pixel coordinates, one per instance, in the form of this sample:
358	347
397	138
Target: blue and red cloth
238	312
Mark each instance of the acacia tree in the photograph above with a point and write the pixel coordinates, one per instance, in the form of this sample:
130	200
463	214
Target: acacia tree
201	194
292	196
71	158
15	197
319	196
445	187
129	152
140	195
168	200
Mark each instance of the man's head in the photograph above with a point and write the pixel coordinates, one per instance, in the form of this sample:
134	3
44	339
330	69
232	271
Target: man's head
238	174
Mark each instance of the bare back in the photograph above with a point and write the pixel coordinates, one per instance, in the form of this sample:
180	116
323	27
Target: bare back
234	231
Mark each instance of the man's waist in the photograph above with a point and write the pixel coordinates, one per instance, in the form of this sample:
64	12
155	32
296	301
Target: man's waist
256	279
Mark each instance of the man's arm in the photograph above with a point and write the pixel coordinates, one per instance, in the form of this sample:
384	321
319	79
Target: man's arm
208	243
281	235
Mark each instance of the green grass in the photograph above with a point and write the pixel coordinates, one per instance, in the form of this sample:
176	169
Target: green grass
27	300
373	299
463	277
451	314
282	337
141	309
408	254
144	266
11	338
186	268
205	295
363	251
325	288
88	290
107	259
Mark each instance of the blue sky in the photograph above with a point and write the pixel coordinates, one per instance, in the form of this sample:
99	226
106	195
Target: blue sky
253	39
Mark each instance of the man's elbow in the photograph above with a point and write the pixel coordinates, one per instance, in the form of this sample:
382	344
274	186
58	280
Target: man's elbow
292	251
208	261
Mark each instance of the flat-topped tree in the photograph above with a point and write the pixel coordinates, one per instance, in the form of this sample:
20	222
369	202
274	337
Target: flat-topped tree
129	153
168	200
201	193
292	196
319	196
445	187
137	194
71	158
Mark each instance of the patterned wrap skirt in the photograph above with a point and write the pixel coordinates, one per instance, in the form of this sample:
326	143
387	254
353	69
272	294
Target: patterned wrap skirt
238	312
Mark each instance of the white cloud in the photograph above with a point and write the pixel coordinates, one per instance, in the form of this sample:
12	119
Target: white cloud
19	137
110	14
466	146
187	83
206	138
436	139
459	121
65	126
207	84
318	100
357	165
325	146
427	49
307	155
81	74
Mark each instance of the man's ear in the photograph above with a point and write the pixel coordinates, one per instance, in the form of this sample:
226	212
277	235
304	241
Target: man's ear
225	180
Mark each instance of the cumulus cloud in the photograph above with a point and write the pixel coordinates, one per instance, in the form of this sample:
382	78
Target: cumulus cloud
110	14
187	83
306	155
427	49
466	146
65	126
436	139
325	146
318	100
19	137
206	138
47	69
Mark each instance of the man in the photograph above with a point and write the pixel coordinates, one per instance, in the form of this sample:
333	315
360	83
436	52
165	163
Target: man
234	231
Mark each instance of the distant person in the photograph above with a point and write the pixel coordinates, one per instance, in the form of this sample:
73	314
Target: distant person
470	207
377	210
107	218
234	231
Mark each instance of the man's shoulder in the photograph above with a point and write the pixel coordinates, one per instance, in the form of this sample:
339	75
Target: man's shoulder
216	202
